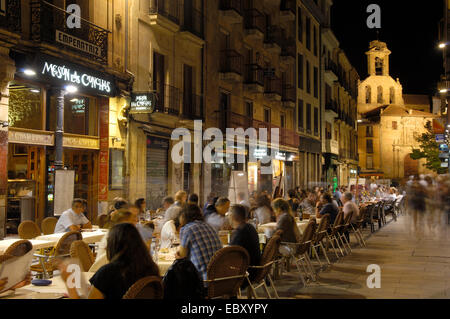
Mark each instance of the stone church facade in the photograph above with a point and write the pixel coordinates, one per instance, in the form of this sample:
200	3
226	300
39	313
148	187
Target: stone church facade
387	127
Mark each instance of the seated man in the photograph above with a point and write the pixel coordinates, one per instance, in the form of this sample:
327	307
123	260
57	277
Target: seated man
326	202
73	219
198	240
216	218
169	233
166	203
246	236
193	199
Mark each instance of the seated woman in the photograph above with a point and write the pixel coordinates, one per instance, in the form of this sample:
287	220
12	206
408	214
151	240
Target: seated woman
286	221
129	261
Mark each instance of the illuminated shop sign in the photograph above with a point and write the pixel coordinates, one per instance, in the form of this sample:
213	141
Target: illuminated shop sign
260	153
142	103
66	74
61	72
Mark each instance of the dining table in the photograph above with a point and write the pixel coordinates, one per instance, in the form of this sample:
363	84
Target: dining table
89	236
269	228
37	243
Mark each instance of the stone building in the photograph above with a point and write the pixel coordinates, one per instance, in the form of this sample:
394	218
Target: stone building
387	125
58	87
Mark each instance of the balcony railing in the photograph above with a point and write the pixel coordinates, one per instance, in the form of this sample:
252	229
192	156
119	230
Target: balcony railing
331	66
235	5
167	8
193	22
168	98
254	20
231	62
289	93
289	48
192	106
273	85
48	20
274	36
331	105
10	16
254	74
289	5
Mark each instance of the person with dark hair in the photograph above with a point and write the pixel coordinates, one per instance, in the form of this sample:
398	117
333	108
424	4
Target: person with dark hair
245	235
129	261
210	200
73	219
286	221
141	205
166	203
198	240
216	215
293	200
327	207
193	199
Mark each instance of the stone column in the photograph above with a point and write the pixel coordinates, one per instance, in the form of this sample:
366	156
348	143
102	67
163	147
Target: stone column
7	70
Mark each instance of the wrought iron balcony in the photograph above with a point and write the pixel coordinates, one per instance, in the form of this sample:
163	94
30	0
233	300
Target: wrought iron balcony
231	62
331	106
254	74
167	8
288	10
254	20
289	93
193	22
10	16
273	87
168	98
274	36
231	5
48	24
192	106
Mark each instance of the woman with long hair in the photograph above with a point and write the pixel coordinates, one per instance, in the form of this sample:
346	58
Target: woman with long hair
286	221
129	261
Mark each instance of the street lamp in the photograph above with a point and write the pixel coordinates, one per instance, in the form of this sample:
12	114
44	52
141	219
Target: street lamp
29	72
442	45
443	91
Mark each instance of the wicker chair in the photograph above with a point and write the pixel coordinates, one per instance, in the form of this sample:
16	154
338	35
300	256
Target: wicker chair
332	235
48	225
320	234
299	252
81	251
263	269
28	230
226	272
346	222
47	263
19	248
356	227
102	220
146	288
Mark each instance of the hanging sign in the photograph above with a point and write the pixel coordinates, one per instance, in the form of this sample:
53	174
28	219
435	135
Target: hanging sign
142	103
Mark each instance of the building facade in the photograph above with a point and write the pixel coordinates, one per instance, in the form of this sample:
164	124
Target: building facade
388	127
46	125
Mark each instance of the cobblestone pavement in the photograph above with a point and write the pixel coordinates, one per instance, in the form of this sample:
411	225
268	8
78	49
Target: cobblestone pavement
414	261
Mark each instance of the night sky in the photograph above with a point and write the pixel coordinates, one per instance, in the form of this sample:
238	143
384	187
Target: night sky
410	31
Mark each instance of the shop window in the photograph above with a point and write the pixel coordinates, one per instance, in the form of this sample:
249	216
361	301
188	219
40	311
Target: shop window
25	106
80	115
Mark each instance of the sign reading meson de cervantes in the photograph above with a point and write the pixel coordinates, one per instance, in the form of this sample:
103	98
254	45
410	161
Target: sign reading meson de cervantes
62	72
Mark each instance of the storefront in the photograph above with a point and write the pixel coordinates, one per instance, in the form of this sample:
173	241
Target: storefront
39	94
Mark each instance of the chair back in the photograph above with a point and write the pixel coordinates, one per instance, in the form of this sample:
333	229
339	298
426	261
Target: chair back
346	222
102	220
307	238
62	248
268	256
81	251
337	223
48	225
28	230
19	248
226	271
146	288
322	228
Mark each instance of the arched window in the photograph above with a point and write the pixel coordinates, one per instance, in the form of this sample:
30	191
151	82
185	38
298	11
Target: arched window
379	95
368	95
378	66
392	95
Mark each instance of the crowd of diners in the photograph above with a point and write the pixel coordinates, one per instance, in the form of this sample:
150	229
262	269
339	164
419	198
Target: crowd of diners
124	255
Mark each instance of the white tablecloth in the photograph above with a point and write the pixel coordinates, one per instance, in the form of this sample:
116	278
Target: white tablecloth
88	237
270	227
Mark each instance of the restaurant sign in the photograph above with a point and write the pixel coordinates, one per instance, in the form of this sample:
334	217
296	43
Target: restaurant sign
56	70
142	103
78	44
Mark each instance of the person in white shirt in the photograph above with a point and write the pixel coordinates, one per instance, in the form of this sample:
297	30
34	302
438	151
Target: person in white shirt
174	211
216	217
169	233
263	212
73	219
350	206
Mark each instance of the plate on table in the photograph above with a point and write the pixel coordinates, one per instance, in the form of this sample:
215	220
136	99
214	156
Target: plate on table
41	282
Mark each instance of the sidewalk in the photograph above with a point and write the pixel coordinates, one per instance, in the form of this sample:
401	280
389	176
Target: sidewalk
414	264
